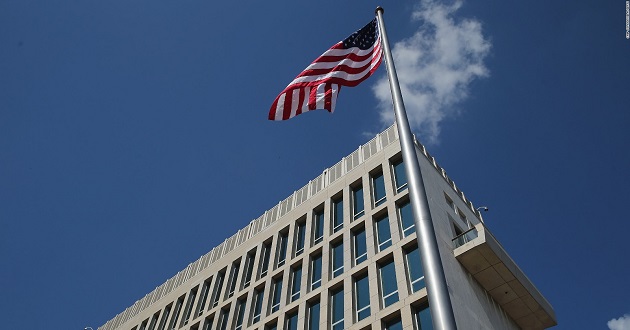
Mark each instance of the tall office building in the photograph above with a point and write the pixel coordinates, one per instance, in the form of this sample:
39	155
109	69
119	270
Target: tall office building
341	253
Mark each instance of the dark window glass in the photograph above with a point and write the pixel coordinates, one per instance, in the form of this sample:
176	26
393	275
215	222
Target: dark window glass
282	249
249	269
389	286
257	308
383	233
207	323
275	295
205	289
300	231
233	276
360	246
316	272
337	259
318	227
362	297
291	322
264	263
296	280
313	316
223	319
167	312
378	186
336	310
240	311
393	325
337	217
407	223
216	292
422	318
189	304
154	321
178	308
400	176
415	271
358	208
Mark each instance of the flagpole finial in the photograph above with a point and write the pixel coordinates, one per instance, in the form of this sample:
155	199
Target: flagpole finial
379	8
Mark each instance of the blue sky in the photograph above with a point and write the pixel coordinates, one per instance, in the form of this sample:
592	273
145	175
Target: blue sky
127	128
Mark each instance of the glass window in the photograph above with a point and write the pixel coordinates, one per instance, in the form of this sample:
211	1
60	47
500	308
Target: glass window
271	327
359	246
358	208
300	231
154	320
337	216
239	316
394	324
389	286
189	304
337	259
223	319
400	176
264	263
207	323
336	309
291	321
415	273
275	295
218	286
383	233
422	318
178	308
362	297
313	316
257	308
282	249
205	289
296	281
318	227
167	312
233	276
316	271
378	189
407	223
249	269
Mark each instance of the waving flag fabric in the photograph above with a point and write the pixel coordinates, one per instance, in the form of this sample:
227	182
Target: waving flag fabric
347	63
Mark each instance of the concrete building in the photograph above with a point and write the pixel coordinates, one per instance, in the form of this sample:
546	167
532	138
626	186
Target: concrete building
341	253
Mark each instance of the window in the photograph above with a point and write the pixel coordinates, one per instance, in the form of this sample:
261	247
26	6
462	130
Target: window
337	259
291	321
300	231
422	318
400	176
205	289
394	324
362	297
233	276
359	246
249	269
358	208
271	327
178	308
143	326
189	304
318	227
218	286
282	249
207	323
378	189
336	309
415	273
389	286
383	233
264	261
257	308
337	216
296	281
407	223
313	316
167	312
275	294
223	319
154	321
239	316
316	271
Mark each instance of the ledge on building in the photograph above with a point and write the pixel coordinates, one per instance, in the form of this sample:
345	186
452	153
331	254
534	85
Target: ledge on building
482	255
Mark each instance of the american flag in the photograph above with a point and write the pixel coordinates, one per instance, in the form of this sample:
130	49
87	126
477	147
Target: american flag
347	63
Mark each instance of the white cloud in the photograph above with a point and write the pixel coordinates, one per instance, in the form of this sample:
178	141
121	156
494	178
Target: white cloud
435	67
622	323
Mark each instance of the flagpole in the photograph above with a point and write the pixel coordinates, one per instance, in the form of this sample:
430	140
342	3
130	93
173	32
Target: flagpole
439	299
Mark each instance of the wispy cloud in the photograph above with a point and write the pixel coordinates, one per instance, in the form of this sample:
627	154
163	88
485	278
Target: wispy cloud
622	323
435	67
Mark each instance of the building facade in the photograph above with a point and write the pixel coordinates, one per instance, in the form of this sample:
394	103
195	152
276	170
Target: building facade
341	253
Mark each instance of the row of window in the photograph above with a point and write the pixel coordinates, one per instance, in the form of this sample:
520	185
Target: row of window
219	287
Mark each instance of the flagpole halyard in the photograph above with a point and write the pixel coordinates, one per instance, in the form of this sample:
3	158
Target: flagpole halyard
437	289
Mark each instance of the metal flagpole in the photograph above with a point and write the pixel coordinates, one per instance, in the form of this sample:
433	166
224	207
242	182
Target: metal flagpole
439	299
